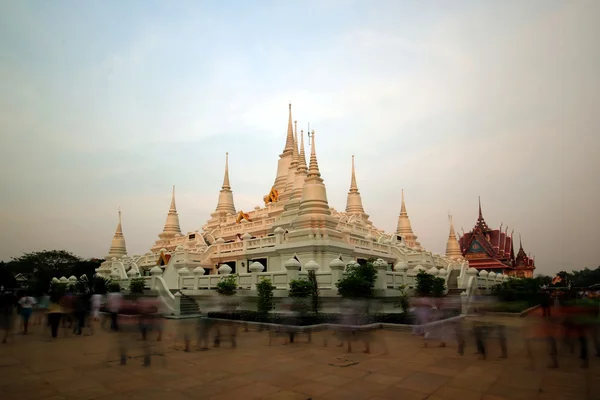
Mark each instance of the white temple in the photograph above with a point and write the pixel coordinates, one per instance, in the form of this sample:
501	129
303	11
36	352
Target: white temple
295	223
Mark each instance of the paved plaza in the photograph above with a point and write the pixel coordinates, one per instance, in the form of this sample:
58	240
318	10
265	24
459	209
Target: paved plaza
87	367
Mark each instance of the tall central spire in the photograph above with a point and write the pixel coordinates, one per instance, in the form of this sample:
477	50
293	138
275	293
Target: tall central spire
301	169
289	141
225	204
354	201
314	194
226	184
285	158
291	175
117	246
452	246
404	228
172	223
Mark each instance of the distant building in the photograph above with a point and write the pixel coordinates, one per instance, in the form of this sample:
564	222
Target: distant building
493	250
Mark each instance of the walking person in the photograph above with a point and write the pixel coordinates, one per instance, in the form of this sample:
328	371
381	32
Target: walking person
7	304
27	303
55	314
114	301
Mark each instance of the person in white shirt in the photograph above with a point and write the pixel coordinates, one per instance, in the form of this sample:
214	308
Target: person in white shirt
26	302
114	301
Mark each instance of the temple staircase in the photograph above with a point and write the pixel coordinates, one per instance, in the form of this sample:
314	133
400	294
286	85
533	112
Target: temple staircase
453	289
188	306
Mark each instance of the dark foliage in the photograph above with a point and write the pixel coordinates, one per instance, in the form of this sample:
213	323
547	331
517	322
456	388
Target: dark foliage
264	289
429	285
227	286
42	266
308	318
359	281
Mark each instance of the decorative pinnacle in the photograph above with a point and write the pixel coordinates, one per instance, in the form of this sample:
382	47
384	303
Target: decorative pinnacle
353	186
313	169
289	142
226	185
302	156
173	208
403	206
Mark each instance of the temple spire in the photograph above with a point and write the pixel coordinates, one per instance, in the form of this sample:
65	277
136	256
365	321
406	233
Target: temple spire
302	157
354	201
226	184
301	169
452	246
173	207
481	224
225	203
117	246
404	229
313	168
172	223
314	194
353	186
290	182
289	142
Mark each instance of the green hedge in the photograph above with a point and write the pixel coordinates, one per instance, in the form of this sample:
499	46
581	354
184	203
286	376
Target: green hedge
309	318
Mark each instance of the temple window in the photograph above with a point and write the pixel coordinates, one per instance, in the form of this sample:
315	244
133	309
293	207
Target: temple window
192	236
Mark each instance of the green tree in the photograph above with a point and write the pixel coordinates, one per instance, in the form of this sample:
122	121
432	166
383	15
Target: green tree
136	286
359	281
227	285
264	289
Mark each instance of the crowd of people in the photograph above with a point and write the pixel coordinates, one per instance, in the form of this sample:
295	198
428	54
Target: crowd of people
572	318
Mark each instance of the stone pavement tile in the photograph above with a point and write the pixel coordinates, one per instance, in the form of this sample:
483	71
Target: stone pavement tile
384	379
563	393
452	393
211	376
181	383
345	394
311	374
395	393
74	385
479	384
8	360
334	379
129	385
350	372
253	391
284	380
562	378
286	395
61	375
34	394
375	365
492	397
423	382
502	389
360	387
313	388
158	394
88	393
521	379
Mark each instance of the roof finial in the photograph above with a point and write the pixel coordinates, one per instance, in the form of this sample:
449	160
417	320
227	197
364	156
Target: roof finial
289	142
520	242
295	155
302	160
403	206
313	169
353	186
226	184
173	208
480	214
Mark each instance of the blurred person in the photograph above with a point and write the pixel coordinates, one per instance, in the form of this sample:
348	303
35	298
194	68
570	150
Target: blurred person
7	305
41	309
114	302
545	303
55	314
27	303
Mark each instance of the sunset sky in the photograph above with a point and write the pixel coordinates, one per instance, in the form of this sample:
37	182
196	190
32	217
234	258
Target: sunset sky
108	104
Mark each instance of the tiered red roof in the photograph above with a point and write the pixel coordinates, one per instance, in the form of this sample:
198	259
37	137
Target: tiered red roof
492	249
